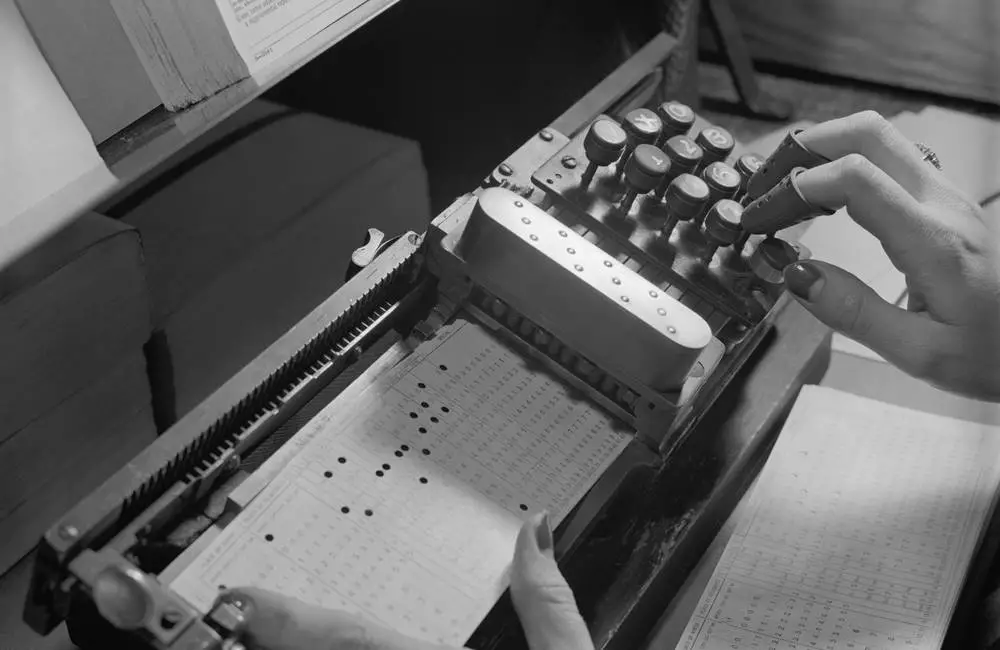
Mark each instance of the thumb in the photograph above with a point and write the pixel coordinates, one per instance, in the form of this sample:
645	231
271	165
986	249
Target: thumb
544	602
840	300
276	622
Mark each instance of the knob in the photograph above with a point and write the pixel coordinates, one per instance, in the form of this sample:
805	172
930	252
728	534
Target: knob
722	225
123	597
686	197
770	259
643	172
642	126
375	244
677	119
684	156
747	165
717	143
603	145
723	181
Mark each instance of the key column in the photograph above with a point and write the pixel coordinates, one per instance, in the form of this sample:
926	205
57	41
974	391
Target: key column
684	156
716	142
642	126
643	172
677	119
686	197
722	226
603	145
723	182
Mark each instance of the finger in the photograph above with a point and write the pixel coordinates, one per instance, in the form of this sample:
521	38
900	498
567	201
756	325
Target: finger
875	201
276	622
872	198
871	135
544	602
846	304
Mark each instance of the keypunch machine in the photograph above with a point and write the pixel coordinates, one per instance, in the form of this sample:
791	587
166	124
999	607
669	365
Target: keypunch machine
613	254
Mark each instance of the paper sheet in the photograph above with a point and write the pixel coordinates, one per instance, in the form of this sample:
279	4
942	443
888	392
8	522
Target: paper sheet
264	30
858	533
408	514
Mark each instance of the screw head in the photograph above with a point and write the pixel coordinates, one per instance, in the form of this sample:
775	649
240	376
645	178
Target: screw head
69	532
505	170
569	162
546	135
518	204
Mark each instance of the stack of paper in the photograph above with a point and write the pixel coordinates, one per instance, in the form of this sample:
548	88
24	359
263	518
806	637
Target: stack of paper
858	534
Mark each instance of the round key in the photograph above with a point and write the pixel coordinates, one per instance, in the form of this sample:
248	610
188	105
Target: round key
716	142
677	118
771	258
642	126
723	181
747	165
605	142
684	154
722	223
646	168
686	196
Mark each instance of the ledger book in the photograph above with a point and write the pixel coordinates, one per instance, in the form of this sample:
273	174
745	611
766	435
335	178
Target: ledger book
192	50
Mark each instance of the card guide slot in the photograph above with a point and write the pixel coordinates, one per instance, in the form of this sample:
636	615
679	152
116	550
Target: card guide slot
258	411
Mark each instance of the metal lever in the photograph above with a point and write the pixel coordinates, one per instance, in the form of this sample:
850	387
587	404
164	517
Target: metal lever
375	243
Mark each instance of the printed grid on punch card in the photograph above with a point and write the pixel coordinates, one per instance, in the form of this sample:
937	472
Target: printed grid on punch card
857	535
408	515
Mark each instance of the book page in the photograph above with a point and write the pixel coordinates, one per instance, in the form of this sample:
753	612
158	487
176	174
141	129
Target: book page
858	533
407	513
266	29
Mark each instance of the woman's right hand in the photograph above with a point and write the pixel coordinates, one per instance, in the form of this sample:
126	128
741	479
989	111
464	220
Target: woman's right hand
949	333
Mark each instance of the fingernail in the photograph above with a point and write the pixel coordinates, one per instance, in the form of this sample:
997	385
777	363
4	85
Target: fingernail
804	280
543	533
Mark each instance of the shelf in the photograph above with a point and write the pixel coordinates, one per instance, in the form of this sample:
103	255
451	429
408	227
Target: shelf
158	140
